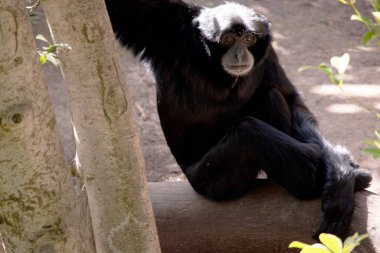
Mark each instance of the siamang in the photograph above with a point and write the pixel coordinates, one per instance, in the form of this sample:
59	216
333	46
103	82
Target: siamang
227	108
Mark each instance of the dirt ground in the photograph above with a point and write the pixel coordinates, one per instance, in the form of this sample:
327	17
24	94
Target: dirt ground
305	33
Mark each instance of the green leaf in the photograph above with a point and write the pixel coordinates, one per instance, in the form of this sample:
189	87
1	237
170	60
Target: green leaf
355	17
43	58
373	151
362	19
41	37
367	37
332	242
335	79
377	7
362	237
329	72
52	49
373	143
352	242
298	245
303	68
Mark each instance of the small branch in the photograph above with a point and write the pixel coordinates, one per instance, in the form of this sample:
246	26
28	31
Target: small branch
34	6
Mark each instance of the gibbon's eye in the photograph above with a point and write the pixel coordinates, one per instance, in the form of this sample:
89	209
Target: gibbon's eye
250	39
227	39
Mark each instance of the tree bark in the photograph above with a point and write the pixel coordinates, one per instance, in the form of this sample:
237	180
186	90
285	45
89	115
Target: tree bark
266	220
111	161
39	211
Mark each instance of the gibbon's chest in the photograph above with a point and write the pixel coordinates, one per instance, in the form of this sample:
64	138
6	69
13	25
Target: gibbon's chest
204	110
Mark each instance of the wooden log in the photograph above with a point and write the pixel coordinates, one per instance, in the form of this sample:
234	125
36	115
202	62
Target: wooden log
264	221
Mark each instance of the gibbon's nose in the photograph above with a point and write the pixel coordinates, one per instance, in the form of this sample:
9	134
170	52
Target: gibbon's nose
239	53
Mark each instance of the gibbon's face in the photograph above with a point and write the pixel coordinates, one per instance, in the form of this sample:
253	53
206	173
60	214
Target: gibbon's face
236	28
238	60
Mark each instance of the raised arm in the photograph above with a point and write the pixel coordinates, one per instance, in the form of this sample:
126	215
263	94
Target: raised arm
141	25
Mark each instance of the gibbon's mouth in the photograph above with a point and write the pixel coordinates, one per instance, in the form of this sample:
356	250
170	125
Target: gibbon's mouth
238	70
243	66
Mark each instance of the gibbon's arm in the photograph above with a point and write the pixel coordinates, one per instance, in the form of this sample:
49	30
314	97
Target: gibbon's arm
155	28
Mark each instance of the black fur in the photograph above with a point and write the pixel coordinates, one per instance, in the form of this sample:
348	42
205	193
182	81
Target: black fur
221	136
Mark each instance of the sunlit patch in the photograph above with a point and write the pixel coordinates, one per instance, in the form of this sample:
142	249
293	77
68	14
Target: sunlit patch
355	90
175	179
344	108
377	106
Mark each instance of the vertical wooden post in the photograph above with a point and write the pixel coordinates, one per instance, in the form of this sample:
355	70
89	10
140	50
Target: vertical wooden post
39	211
108	149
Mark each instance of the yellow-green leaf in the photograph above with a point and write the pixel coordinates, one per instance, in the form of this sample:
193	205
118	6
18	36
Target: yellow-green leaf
332	242
43	59
315	248
298	245
349	248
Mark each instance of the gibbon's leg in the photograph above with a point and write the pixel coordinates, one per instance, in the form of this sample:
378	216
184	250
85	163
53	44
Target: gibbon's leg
228	169
342	176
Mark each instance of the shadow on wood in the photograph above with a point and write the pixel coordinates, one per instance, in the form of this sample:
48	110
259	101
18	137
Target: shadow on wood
264	221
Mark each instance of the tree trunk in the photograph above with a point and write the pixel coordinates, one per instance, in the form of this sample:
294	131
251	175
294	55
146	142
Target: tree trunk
39	211
111	161
266	220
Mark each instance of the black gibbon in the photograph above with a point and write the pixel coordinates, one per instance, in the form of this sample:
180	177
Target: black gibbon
227	108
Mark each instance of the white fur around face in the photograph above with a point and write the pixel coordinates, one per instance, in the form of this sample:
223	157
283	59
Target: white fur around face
214	21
